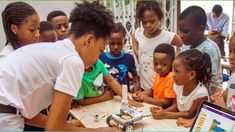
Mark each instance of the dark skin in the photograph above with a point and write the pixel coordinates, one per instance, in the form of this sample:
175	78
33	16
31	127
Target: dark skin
162	66
185	76
190	34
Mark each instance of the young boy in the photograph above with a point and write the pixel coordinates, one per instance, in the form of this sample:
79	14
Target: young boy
117	62
162	92
61	23
47	32
92	89
192	23
228	96
38	75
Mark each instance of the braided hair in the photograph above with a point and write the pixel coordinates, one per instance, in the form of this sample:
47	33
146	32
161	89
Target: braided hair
15	13
198	61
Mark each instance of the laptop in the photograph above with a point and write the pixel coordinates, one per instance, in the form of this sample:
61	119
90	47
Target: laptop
213	118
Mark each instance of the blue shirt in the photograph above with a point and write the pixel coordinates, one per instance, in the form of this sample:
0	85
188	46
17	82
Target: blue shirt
220	23
119	66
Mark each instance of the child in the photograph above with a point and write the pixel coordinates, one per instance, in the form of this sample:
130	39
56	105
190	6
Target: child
191	72
192	23
92	89
228	95
149	36
162	92
38	75
47	32
21	26
117	62
61	23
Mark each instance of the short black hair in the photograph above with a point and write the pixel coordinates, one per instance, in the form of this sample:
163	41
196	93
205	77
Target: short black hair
45	26
15	13
217	9
91	17
151	5
198	61
55	13
167	49
119	28
196	14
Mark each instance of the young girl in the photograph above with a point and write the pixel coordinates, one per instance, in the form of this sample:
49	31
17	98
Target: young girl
227	98
47	32
191	71
147	37
162	93
116	61
21	26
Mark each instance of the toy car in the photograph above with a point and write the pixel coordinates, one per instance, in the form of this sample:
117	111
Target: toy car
126	119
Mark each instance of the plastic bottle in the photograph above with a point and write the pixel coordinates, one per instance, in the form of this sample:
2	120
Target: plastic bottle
124	104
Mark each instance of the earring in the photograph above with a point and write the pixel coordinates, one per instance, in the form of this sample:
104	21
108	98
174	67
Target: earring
190	78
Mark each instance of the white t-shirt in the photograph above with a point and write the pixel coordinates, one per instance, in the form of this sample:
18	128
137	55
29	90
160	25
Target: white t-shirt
184	103
146	49
6	51
29	76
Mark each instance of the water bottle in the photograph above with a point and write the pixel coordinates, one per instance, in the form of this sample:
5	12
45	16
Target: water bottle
124	105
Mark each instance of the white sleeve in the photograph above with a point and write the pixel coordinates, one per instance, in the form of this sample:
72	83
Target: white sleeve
69	78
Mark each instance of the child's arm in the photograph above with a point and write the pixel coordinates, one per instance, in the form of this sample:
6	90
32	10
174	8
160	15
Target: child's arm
163	114
177	41
135	45
136	82
222	100
113	84
57	118
108	95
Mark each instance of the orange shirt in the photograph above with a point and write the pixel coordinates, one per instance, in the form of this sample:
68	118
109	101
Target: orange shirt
163	87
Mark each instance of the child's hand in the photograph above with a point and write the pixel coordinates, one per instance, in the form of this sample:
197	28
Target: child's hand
216	96
108	95
154	109
185	122
137	96
134	103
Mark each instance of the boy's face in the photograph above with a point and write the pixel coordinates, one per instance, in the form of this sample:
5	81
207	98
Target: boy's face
188	32
162	64
150	22
48	36
232	53
116	42
61	25
91	49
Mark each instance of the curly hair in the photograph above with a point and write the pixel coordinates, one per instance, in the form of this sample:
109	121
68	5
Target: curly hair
198	61
151	5
167	49
91	17
196	14
15	13
217	9
55	13
45	26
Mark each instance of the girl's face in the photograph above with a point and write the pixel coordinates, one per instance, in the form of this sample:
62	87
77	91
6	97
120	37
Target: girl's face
162	64
232	53
150	22
181	74
116	43
28	31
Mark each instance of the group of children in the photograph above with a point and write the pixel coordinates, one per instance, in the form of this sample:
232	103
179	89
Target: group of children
53	73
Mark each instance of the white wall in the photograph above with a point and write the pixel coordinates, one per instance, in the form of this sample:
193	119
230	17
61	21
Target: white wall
207	5
42	7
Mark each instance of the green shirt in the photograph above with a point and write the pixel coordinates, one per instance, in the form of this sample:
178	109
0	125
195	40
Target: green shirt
88	88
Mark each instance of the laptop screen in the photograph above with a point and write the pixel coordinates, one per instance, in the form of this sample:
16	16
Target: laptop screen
214	118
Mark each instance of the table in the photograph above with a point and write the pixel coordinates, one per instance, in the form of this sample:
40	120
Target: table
87	116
